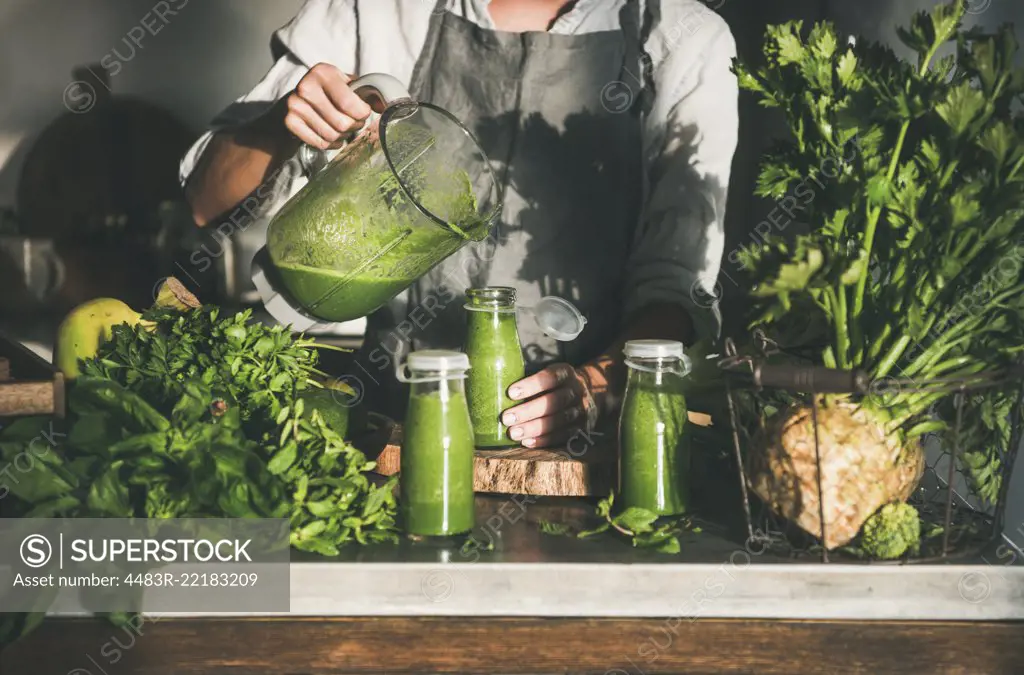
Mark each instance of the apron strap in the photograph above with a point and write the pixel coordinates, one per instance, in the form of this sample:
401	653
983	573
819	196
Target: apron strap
429	46
639	18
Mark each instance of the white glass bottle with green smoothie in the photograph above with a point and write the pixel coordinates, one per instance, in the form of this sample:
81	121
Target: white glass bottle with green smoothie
436	480
496	357
654	457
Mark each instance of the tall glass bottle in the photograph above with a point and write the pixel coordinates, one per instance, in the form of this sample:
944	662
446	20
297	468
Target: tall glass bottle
654	457
436	480
496	357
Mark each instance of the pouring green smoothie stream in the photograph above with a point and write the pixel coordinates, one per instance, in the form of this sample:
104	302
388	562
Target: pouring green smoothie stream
654	457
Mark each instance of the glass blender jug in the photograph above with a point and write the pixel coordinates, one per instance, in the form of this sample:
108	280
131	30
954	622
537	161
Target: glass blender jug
409	190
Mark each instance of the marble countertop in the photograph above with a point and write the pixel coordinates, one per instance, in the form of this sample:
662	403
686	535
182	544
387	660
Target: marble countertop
532	574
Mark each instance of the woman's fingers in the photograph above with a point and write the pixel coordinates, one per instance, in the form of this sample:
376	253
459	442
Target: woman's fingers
557	439
554	408
337	121
326	105
551	377
341	97
542	406
325	133
562	420
554	411
299	128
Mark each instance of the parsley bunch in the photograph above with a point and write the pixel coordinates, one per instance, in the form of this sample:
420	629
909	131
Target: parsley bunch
197	415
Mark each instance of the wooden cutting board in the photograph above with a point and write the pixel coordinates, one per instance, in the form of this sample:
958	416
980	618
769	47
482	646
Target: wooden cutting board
547	472
29	385
586	468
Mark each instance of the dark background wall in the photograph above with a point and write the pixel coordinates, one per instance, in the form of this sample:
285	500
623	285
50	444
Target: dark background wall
199	60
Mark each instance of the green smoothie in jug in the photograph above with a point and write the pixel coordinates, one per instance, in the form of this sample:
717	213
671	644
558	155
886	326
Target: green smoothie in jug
327	293
437	465
353	239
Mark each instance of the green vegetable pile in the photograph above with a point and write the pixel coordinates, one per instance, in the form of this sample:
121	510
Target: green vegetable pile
911	177
202	416
892	531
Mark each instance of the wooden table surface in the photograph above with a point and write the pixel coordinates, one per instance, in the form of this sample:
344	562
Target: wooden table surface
315	646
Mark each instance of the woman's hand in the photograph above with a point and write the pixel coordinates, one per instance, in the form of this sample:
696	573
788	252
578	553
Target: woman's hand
323	109
558	404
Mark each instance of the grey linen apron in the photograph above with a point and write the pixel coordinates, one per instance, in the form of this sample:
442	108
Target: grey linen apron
569	161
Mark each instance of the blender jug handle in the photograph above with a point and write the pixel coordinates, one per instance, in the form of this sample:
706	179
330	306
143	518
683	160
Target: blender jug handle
388	89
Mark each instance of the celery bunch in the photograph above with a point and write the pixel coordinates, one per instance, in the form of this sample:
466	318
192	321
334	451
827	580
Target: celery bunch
914	263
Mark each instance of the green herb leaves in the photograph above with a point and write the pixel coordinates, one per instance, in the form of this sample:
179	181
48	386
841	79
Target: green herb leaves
928	31
204	416
912	265
961	109
636	520
640	525
556	529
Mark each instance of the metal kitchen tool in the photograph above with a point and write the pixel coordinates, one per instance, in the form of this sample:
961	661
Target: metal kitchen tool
410	189
33	272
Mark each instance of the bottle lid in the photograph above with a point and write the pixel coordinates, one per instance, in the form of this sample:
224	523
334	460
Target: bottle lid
654	349
558	318
438	360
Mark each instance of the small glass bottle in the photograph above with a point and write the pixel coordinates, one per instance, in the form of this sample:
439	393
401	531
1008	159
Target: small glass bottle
496	357
654	458
437	451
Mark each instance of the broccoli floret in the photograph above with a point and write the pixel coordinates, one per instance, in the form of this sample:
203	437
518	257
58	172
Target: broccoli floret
891	531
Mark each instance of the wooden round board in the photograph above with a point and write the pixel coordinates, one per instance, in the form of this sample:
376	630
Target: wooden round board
548	472
585	467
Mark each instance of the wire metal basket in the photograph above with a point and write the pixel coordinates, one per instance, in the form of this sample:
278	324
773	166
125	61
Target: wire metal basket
957	522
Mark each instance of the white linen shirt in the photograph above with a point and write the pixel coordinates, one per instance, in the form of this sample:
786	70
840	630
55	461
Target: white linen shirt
689	135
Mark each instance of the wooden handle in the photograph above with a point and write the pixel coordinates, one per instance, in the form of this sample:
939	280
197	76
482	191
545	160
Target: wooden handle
811	379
